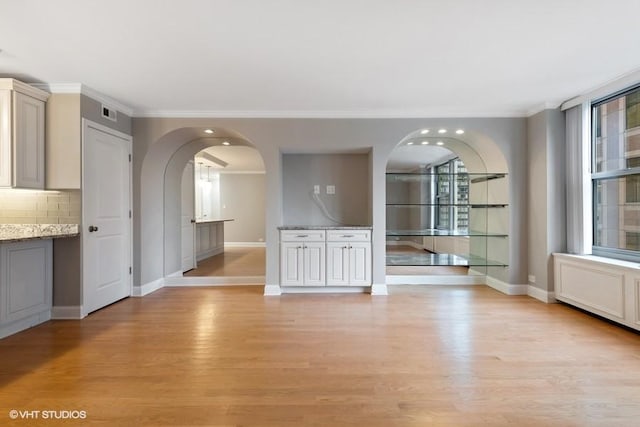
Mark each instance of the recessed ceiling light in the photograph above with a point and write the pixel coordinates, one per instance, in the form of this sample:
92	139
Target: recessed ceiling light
442	131
410	143
460	131
208	131
226	143
440	143
425	142
424	131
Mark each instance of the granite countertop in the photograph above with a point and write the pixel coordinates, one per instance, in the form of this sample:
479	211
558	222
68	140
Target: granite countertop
20	232
207	221
325	227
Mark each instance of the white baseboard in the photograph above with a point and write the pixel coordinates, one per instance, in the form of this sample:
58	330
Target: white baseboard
379	289
272	290
507	288
174	274
67	312
435	280
541	294
213	281
324	289
147	288
245	244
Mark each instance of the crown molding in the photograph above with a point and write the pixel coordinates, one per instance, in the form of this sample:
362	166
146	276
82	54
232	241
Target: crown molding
328	114
27	89
80	88
612	86
544	106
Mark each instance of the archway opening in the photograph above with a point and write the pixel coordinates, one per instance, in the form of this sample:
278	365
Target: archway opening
447	216
178	149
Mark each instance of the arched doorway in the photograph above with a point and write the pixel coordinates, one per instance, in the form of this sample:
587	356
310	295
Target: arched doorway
447	215
161	180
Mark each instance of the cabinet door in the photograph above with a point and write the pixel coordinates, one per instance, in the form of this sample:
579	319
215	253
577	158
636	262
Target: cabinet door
360	263
314	264
26	280
28	125
337	263
6	140
291	260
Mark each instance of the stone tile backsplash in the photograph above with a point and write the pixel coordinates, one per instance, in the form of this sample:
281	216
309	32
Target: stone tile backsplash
40	207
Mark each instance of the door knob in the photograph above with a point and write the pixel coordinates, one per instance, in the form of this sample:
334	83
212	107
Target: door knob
92	228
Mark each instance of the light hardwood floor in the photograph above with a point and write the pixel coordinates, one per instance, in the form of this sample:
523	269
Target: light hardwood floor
234	261
445	356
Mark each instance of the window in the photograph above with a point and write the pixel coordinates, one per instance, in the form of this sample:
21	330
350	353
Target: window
452	196
615	154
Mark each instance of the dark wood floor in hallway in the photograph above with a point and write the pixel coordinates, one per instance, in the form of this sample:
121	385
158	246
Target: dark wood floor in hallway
451	356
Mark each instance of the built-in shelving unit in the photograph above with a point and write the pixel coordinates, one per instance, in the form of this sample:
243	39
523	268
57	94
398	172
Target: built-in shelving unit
455	217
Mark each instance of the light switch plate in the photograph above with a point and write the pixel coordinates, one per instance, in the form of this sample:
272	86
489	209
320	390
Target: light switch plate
331	189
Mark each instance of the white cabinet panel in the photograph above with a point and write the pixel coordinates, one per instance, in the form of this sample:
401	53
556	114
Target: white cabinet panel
22	126
291	264
314	263
337	264
25	285
360	264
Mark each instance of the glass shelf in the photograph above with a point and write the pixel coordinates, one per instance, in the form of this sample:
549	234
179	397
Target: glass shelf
441	260
436	232
463	205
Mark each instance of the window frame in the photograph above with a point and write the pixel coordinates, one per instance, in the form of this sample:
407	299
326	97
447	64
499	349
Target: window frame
596	177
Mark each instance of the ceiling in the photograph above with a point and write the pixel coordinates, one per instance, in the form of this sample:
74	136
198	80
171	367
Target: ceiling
331	58
238	158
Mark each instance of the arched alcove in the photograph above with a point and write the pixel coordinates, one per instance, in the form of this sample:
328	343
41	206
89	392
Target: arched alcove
161	175
447	201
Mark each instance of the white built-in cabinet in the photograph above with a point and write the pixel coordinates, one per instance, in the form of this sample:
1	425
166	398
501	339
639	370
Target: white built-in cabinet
25	285
22	127
302	257
325	257
348	258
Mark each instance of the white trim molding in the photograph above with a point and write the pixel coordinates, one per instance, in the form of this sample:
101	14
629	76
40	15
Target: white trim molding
245	244
435	280
325	289
176	281
507	288
272	290
379	289
615	85
541	294
147	288
70	312
85	90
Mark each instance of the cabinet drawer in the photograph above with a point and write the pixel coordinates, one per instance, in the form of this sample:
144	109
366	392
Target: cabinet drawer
302	235
348	235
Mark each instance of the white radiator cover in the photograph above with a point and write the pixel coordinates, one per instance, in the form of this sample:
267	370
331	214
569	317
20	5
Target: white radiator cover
606	287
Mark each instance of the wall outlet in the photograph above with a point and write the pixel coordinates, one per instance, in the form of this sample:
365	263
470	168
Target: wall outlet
316	189
532	278
331	189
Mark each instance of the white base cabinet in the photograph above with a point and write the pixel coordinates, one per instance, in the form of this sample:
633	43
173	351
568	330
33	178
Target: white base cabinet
302	258
25	285
325	258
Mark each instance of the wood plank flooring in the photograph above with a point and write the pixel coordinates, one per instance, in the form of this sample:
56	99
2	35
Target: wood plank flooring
234	261
422	356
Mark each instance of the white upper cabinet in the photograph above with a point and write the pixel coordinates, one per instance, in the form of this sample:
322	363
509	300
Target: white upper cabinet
22	125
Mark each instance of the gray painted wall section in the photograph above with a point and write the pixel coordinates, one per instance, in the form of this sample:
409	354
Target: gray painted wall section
243	198
546	195
349	173
156	139
92	110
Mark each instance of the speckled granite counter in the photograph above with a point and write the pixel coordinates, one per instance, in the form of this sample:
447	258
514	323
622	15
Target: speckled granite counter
20	232
325	227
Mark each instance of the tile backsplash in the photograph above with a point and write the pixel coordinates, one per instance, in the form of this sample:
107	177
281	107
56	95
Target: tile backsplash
40	207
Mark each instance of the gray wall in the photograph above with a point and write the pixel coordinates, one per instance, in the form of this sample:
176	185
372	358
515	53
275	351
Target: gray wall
243	198
157	139
92	110
348	172
546	194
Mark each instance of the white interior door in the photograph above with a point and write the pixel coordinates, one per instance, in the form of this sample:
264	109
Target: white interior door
106	201
187	219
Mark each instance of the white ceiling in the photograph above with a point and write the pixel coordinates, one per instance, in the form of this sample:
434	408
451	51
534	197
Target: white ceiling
238	158
330	58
